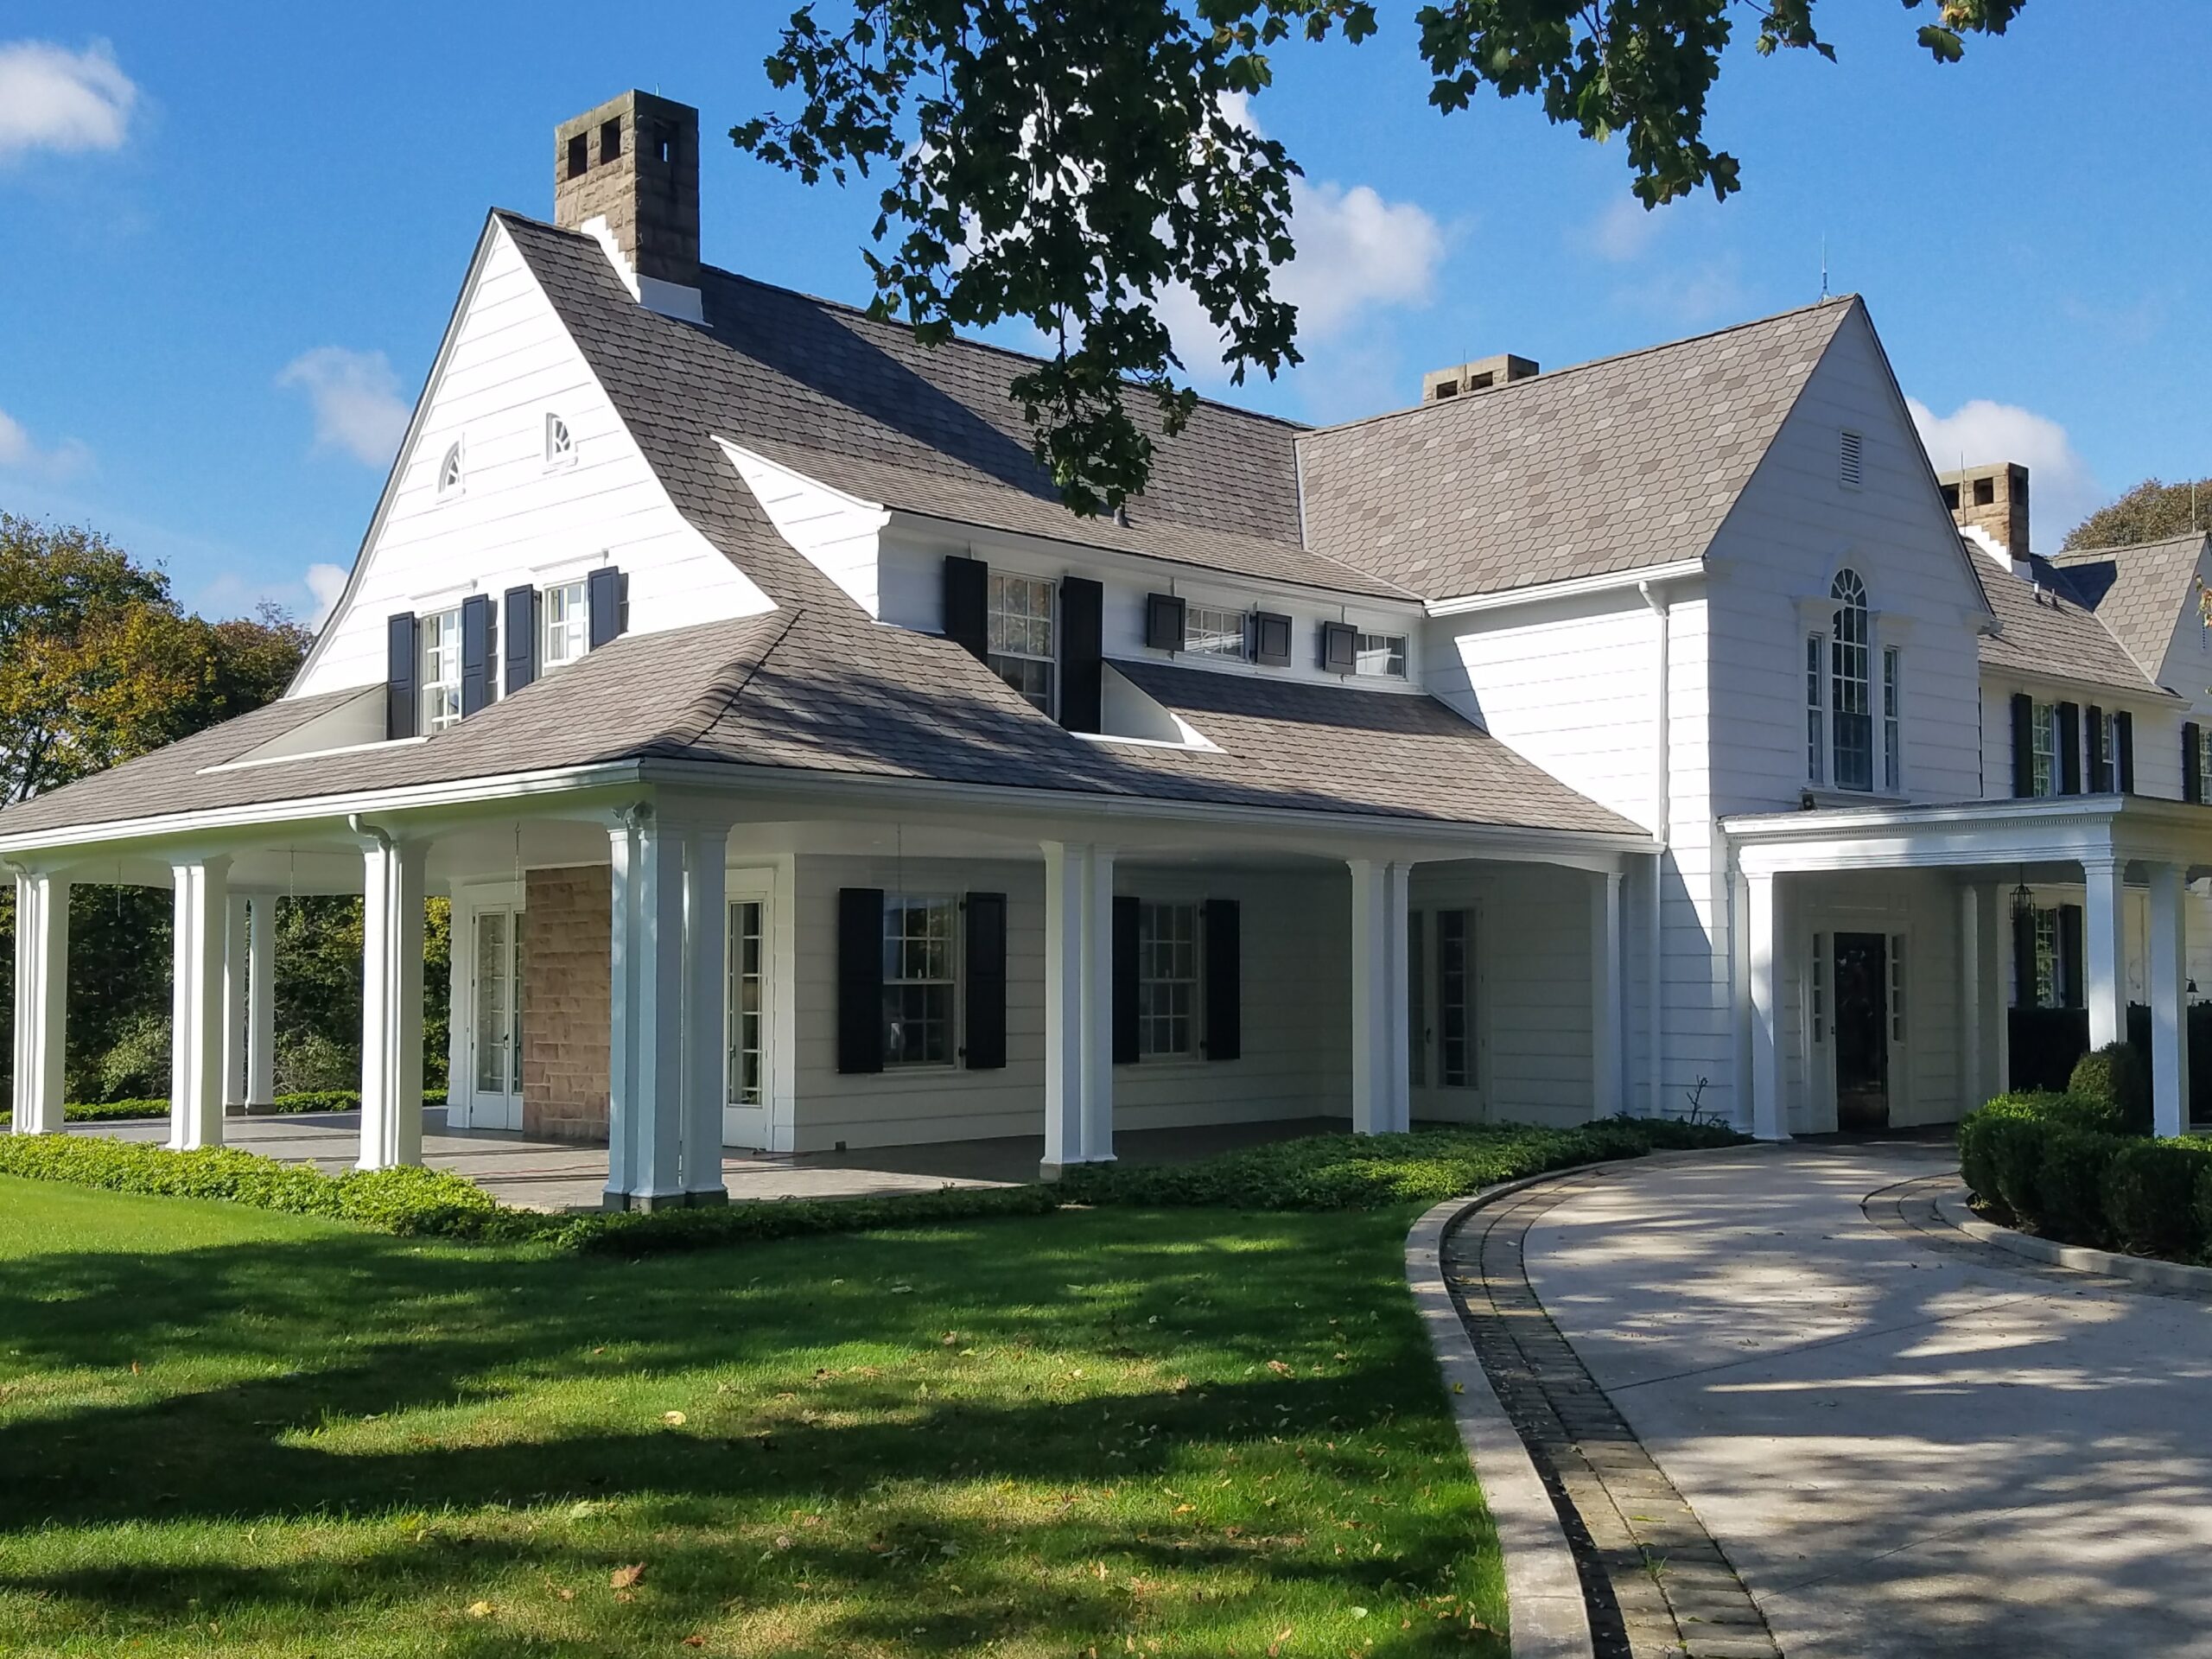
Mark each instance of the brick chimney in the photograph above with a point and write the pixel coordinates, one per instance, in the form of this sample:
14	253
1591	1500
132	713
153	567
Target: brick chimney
1480	376
1995	500
633	164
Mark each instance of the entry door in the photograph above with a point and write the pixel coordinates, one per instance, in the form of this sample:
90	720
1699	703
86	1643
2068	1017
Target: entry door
1440	1001
495	1024
745	1027
1862	1031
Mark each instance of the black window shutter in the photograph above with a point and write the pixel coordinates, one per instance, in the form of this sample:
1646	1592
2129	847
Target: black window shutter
2070	955
1271	639
2024	745
860	979
2070	748
1339	648
967	602
1224	980
1083	654
1163	622
399	675
519	664
603	591
2100	759
478	624
2192	747
2123	737
2023	958
1125	980
985	973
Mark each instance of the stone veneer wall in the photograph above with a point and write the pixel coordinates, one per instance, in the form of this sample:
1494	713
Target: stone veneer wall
567	933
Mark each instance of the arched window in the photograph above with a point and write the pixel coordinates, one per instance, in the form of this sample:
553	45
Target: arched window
560	447
1851	702
449	470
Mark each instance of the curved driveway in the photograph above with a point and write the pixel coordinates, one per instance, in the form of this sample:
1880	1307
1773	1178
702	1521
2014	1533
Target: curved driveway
1907	1444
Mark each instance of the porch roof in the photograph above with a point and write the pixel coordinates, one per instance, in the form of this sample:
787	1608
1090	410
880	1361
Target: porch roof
2067	829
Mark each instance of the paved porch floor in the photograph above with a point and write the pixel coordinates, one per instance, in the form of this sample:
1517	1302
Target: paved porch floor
540	1174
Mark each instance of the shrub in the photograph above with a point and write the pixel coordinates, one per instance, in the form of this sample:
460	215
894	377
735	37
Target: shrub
650	1233
2204	1211
2150	1193
2069	1177
2116	1076
138	1062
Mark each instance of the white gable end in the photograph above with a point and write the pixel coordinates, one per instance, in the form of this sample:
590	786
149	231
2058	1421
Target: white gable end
517	516
839	534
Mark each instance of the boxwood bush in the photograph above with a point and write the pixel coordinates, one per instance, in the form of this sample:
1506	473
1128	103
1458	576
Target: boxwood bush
2118	1077
2063	1166
312	1099
2150	1197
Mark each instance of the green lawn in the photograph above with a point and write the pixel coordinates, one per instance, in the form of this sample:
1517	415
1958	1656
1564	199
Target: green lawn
1128	1431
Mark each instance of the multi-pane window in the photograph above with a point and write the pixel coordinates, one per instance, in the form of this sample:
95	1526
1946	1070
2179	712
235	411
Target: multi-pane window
2042	748
1381	653
1897	988
438	669
2203	767
917	978
742	1027
1816	708
1167	980
1021	643
2048	990
1210	632
563	626
1850	693
498	1063
560	444
1455	998
449	470
1892	721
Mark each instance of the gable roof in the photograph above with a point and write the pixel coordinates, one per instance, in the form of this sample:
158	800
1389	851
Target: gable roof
1616	465
2045	630
2138	592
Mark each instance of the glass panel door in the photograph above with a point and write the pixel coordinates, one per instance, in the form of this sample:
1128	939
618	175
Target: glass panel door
495	1033
1455	998
747	1089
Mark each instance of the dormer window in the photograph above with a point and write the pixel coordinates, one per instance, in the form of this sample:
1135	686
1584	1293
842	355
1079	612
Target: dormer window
560	447
1021	638
1381	655
1210	632
449	472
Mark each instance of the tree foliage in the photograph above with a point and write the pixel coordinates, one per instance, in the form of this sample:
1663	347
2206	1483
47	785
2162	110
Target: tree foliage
2152	511
1066	163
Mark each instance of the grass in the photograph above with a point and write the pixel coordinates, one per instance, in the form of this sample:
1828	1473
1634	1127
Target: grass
1121	1430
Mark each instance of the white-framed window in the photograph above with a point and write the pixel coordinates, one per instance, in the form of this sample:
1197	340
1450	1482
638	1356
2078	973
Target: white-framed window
1167	980
1380	654
1455	998
745	1024
1022	643
437	661
1851	705
1417	998
2049	990
1893	720
452	473
1209	631
1816	708
918	978
1897	988
2203	767
2042	748
563	624
560	444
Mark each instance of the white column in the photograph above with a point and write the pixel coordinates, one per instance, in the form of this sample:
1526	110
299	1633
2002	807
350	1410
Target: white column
2168	984
1606	1006
1762	938
261	1002
234	1002
41	1000
645	1139
705	1016
1078	1006
391	1001
197	1003
2104	949
1995	939
1382	1094
1973	1011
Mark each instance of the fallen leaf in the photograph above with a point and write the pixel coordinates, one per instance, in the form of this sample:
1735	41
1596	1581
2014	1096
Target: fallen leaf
1279	1368
695	1641
623	1577
674	1418
479	1610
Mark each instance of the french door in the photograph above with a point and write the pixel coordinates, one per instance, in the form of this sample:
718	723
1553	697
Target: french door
495	1081
746	1026
1440	1001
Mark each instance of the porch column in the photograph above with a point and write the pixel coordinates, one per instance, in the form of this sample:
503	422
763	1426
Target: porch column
234	1003
261	1003
42	1000
1382	1092
1078	1006
645	1128
392	999
2169	989
1762	939
197	1003
1994	937
1605	1004
705	1013
2104	949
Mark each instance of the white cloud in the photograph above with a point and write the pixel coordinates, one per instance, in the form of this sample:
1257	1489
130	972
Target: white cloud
327	583
356	399
314	595
2062	489
54	98
1622	232
19	453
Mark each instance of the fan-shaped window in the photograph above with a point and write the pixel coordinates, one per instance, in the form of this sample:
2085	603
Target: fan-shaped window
1851	703
449	474
560	447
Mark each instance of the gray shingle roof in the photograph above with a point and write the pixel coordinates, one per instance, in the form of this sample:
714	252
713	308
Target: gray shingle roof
1616	465
2138	592
2046	631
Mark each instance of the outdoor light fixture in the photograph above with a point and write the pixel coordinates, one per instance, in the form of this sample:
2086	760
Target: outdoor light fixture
2024	900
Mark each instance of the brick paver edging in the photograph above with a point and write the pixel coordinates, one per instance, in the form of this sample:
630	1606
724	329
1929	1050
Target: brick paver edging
1543	1590
1952	1208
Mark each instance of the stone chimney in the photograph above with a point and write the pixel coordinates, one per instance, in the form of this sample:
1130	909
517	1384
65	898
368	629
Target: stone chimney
1480	376
1995	500
633	165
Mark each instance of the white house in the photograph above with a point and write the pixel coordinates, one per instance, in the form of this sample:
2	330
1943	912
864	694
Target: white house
1640	734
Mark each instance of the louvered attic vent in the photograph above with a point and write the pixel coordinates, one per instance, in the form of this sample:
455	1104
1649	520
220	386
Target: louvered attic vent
1851	460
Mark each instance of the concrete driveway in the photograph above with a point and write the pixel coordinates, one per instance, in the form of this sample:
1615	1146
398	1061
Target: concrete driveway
1907	1444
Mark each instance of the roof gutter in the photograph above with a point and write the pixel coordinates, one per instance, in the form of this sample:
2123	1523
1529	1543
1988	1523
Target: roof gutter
1572	587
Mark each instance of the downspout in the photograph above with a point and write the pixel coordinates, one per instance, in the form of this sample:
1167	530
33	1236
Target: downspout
1661	806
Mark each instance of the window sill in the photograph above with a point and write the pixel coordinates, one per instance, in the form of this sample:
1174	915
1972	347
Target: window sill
1820	796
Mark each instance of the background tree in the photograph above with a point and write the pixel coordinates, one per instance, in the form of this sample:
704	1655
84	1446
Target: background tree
2152	511
1066	161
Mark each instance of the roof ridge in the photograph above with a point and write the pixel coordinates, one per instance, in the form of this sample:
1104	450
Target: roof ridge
719	695
2066	555
1552	377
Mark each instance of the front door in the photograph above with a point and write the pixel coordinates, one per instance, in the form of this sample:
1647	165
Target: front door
1862	1031
745	1030
495	1019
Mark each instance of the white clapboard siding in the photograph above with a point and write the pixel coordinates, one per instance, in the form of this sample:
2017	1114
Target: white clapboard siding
839	534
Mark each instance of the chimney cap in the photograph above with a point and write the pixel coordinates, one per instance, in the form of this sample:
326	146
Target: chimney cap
1484	372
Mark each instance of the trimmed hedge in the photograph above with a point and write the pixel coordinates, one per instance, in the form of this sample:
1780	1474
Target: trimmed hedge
310	1100
2060	1166
2118	1077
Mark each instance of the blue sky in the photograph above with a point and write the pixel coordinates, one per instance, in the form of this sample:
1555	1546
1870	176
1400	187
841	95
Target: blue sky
233	239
